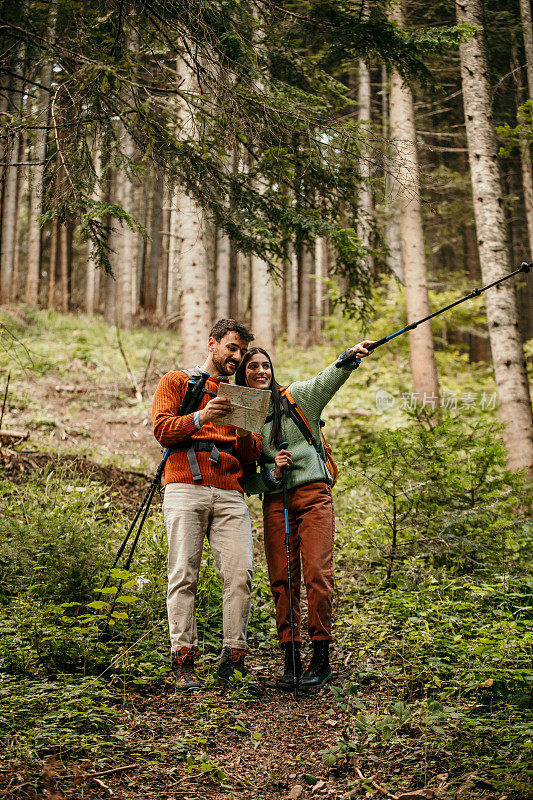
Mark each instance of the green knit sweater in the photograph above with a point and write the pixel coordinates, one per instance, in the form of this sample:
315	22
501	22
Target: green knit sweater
311	396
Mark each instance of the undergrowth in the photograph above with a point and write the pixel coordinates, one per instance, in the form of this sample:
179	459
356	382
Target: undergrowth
434	585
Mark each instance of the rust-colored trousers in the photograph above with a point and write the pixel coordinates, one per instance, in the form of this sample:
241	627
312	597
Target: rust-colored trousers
312	529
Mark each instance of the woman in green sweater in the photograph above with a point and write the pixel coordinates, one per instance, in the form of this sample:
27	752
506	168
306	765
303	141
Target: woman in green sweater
311	513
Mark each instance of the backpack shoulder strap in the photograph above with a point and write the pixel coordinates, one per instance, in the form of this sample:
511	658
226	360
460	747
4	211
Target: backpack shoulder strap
192	372
292	410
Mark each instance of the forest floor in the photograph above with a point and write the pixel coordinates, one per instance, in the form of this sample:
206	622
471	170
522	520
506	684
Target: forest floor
245	742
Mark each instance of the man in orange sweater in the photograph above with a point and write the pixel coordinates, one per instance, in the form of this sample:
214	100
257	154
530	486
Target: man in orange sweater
204	497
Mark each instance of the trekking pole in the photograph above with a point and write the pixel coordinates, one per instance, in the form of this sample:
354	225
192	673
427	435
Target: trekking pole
351	358
191	398
283	446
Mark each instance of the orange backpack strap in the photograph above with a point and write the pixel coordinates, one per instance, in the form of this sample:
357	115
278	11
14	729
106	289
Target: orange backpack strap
292	410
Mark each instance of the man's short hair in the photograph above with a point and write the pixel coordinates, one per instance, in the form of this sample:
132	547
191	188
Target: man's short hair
224	326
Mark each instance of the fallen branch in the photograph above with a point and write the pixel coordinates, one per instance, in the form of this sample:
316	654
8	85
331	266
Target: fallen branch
102	785
110	771
11	436
376	786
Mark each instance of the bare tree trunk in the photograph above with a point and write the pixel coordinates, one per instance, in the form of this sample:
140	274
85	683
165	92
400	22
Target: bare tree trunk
320	276
223	255
262	302
525	154
514	400
64	259
527	29
150	271
235	283
307	268
391	233
162	277
174	246
194	305
422	353
142	194
209	236
36	186
364	201
92	274
9	222
235	294
22	187
125	264
291	288
54	261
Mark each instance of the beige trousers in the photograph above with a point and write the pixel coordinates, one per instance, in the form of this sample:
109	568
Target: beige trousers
191	513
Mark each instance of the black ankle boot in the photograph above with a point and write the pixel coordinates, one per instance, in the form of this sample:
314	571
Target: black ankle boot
319	671
286	681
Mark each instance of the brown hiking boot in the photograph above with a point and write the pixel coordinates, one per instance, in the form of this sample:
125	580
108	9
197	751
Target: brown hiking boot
231	661
185	679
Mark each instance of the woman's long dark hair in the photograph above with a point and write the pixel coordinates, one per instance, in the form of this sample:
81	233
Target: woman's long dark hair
276	433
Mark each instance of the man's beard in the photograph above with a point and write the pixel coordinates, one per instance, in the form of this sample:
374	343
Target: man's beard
224	368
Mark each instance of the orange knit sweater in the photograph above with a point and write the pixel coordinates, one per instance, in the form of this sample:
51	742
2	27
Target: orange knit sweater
169	430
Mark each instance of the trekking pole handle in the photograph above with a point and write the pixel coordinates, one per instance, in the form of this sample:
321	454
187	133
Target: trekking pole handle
283	446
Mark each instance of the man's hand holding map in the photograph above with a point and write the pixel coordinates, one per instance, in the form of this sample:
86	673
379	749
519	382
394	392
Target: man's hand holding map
250	407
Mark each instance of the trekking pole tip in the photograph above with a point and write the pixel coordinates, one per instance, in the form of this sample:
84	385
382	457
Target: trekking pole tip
525	266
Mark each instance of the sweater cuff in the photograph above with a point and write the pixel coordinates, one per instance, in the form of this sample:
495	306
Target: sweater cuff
352	365
269	478
196	417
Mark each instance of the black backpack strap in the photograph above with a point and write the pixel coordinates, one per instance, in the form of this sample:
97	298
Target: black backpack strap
289	411
193	446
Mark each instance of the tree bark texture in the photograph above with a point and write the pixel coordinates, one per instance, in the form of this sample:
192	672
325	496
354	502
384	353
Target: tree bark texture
307	269
37	174
195	321
364	201
262	304
222	265
514	400
422	353
527	30
392	234
92	274
9	223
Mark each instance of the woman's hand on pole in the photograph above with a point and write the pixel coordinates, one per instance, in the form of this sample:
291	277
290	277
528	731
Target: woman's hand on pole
361	349
282	461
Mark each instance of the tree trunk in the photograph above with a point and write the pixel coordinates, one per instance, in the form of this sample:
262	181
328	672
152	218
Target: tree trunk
262	302
125	262
142	194
36	187
222	258
194	304
422	354
22	187
174	245
364	201
392	234
514	400
162	277
9	223
320	278
291	289
150	268
527	30
307	268
92	274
